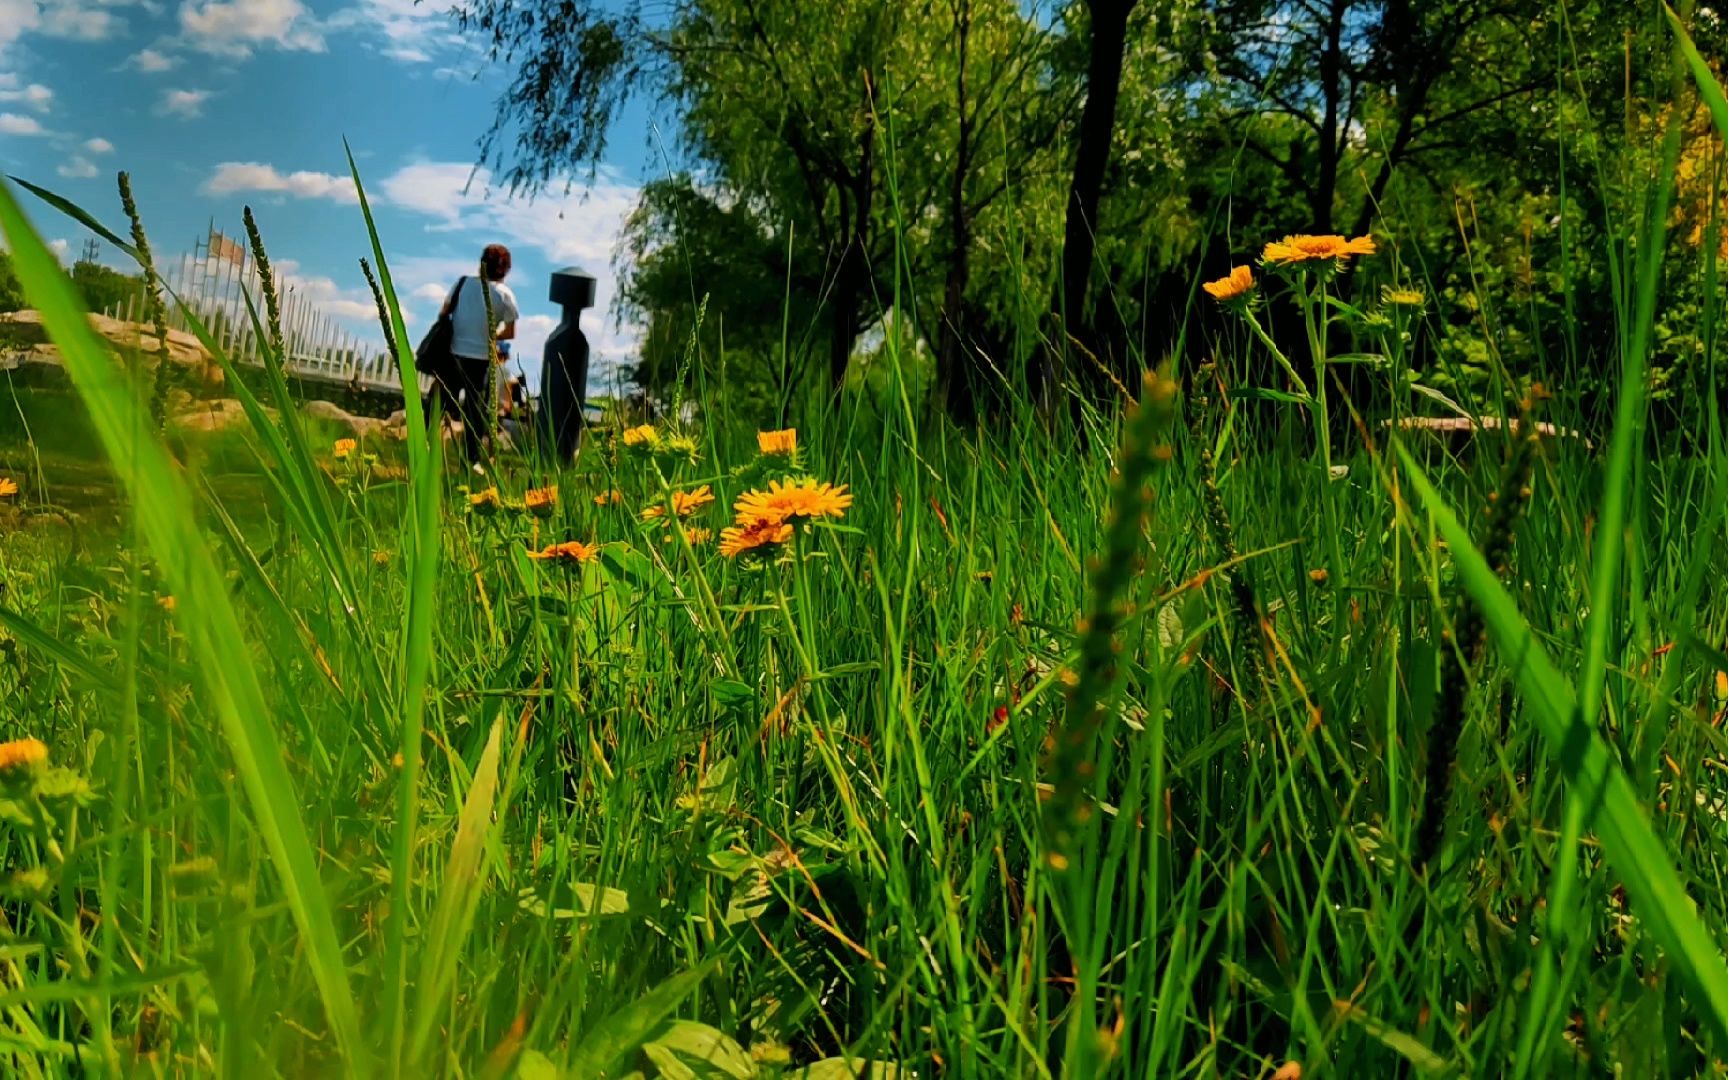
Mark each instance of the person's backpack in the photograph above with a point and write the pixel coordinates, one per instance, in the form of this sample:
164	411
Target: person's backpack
434	357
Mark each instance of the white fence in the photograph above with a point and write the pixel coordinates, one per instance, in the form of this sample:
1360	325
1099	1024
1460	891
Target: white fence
215	280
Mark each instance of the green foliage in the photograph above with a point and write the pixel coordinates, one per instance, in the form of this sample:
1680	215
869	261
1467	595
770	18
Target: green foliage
11	291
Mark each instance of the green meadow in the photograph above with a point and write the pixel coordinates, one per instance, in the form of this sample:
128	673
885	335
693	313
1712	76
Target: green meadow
1220	724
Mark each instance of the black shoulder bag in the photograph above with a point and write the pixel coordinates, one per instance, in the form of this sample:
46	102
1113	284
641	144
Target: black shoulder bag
434	357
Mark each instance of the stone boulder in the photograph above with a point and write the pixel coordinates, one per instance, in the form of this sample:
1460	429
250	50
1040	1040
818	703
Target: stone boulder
25	341
222	414
358	427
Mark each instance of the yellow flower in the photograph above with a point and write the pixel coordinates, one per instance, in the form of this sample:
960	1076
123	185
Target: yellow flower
1405	297
1300	249
684	503
570	551
167	603
609	498
645	436
380	558
1239	282
798	499
1722	686
778	442
485	502
22	754
750	536
540	501
8	487
344	447
699	536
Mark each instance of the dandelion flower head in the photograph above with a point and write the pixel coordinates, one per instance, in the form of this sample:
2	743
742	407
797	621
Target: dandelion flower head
778	442
1294	250
22	753
570	551
684	503
753	536
1238	283
345	447
797	499
8	487
540	500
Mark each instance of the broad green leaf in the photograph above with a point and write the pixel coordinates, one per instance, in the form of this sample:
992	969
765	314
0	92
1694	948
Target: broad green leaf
603	1049
686	1050
846	1069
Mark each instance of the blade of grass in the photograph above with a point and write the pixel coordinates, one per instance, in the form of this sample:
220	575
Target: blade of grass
1590	768
205	613
421	544
463	880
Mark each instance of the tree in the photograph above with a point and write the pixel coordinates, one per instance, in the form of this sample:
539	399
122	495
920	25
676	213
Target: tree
1107	44
782	107
11	290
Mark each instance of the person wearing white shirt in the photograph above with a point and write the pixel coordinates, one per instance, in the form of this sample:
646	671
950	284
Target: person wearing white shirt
470	344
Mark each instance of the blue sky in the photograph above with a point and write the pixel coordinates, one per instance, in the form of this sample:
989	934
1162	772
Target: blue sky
214	104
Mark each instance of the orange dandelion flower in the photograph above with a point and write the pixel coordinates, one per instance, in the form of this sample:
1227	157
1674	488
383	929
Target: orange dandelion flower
684	503
540	501
22	754
570	551
753	535
8	487
798	499
1300	249
485	502
345	447
609	498
1239	282
167	603
699	536
778	442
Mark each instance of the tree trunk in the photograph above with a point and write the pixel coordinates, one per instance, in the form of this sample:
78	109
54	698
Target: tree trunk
1331	89
853	274
1109	43
960	379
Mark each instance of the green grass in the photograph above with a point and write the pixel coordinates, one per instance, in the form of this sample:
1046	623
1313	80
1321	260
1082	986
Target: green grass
380	794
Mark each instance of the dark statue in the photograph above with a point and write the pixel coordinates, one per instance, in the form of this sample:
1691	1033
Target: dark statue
564	375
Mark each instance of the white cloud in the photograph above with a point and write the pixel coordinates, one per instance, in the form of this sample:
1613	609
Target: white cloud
184	103
99	146
77	168
581	228
17	18
406	30
61	248
236	176
73	19
36	96
235	27
432	293
152	62
15	124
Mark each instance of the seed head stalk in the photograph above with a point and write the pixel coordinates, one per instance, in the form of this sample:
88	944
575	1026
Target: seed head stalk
153	300
1069	820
